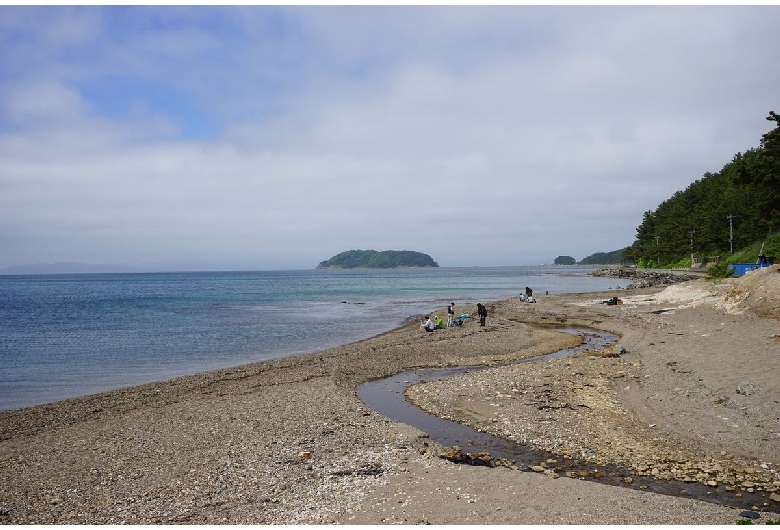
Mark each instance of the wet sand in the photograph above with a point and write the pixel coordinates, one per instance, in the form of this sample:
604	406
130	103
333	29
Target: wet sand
288	441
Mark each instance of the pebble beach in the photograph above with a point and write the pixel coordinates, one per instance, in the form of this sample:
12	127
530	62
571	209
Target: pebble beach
694	396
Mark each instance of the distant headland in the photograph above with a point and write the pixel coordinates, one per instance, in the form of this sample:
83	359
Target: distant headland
372	259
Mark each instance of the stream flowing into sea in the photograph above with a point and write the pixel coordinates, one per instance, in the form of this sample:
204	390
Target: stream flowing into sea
69	335
386	396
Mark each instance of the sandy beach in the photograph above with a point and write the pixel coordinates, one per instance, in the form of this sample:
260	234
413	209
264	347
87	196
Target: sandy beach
694	397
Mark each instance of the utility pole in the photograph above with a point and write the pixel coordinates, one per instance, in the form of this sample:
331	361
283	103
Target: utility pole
731	232
690	233
658	251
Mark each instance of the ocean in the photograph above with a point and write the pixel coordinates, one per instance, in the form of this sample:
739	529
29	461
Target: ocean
69	335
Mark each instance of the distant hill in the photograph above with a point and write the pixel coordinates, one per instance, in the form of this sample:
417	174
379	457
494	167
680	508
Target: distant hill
604	258
564	260
372	259
66	267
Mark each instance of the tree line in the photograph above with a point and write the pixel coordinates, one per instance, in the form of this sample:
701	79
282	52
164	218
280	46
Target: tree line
732	208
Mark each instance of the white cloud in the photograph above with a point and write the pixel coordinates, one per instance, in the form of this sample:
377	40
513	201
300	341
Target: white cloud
47	103
481	136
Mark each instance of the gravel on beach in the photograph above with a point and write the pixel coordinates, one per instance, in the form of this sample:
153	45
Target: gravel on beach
695	395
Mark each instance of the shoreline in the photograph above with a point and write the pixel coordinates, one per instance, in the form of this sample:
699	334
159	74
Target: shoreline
288	441
152	349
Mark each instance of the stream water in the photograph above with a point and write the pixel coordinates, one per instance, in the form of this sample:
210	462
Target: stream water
386	396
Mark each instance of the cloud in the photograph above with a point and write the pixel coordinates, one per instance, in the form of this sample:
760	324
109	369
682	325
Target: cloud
269	137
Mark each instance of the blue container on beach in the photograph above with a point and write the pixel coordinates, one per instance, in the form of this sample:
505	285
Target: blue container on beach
741	268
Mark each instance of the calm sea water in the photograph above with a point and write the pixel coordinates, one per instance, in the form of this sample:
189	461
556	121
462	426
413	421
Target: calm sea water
69	335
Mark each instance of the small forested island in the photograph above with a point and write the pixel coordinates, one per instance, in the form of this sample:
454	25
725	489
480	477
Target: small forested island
372	259
565	260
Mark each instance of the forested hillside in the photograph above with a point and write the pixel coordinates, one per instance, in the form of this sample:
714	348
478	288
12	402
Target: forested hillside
745	194
371	259
604	258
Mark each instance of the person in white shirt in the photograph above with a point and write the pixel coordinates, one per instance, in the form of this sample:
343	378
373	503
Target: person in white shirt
428	324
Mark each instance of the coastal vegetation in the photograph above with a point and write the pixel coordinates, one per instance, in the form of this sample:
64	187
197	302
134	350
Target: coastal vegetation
604	258
727	217
565	260
372	259
724	214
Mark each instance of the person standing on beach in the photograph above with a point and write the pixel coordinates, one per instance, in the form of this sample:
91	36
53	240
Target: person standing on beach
482	312
450	314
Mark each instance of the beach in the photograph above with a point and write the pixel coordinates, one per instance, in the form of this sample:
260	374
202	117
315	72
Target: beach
694	396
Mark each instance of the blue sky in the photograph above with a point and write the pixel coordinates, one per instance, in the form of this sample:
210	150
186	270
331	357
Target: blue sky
262	137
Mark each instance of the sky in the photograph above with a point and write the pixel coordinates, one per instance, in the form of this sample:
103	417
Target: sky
274	137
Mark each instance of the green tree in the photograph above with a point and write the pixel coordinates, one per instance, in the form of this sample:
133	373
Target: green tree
747	190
